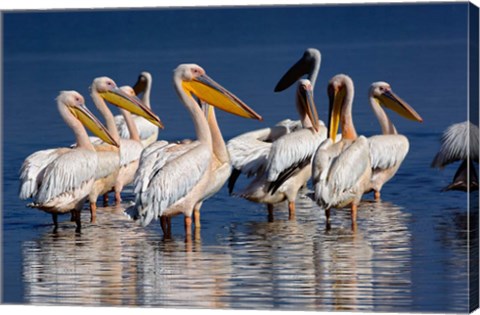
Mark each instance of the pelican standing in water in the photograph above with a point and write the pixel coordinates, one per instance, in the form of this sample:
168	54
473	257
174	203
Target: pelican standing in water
341	171
460	143
147	131
279	157
59	180
173	178
122	172
287	167
387	151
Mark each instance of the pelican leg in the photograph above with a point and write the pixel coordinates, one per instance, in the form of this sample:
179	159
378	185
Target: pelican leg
78	221
93	212
105	200
196	214
72	216
291	210
188	228
164	225
118	198
270	212
169	226
327	218
377	195
55	222
354	215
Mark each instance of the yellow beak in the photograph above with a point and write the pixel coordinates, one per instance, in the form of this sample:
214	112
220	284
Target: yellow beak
133	104
395	103
336	97
93	124
214	94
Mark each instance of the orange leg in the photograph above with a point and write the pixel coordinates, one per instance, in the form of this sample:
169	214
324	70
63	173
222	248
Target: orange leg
93	212
354	216
291	210
196	215
188	228
377	195
118	198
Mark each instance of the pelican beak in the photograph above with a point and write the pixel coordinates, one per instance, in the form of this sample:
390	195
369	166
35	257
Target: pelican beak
140	85
133	104
93	124
214	94
309	105
395	103
301	67
336	97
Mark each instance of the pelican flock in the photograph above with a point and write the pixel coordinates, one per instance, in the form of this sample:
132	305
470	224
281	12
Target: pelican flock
172	178
59	180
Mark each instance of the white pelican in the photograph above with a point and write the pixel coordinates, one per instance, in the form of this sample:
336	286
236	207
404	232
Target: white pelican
59	180
148	132
341	170
251	153
460	143
173	178
387	151
122	172
287	166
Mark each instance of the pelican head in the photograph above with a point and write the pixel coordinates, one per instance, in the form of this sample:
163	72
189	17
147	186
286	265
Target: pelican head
337	93
308	64
306	103
143	80
76	105
109	91
383	94
195	81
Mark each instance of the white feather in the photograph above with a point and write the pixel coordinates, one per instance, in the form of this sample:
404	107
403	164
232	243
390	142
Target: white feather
167	175
33	168
387	151
459	142
68	172
291	149
146	130
337	169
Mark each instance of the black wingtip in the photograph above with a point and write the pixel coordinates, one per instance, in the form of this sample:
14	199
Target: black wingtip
232	180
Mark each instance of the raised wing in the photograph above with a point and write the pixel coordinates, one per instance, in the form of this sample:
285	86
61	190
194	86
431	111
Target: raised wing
177	170
387	151
33	168
459	142
67	173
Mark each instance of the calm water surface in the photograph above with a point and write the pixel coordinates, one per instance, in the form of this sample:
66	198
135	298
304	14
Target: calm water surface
409	252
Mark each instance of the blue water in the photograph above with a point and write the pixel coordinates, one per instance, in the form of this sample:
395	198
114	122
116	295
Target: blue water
409	252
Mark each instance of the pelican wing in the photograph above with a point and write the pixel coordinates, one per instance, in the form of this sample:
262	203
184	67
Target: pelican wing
176	171
108	160
337	168
130	150
290	151
33	168
68	172
387	151
458	142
